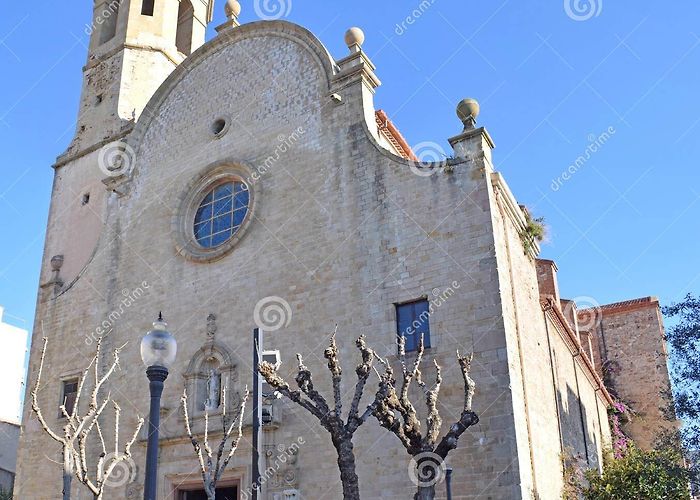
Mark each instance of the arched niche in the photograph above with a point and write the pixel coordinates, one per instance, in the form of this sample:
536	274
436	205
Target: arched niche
211	372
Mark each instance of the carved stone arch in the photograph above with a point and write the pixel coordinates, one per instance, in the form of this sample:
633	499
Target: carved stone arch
217	356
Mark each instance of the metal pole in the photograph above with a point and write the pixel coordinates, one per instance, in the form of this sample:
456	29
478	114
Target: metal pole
156	376
257	412
448	482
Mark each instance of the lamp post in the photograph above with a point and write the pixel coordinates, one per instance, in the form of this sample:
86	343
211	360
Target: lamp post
158	351
257	411
449	483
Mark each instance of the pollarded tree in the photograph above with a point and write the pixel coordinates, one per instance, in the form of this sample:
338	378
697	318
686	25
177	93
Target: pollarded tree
78	427
211	469
396	413
331	416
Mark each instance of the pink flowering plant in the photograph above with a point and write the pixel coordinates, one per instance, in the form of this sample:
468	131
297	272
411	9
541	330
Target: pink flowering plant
619	414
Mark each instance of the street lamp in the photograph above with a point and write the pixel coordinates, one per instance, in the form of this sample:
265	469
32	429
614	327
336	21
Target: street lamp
158	351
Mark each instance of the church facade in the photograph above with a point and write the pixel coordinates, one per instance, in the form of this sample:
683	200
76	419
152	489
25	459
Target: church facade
249	181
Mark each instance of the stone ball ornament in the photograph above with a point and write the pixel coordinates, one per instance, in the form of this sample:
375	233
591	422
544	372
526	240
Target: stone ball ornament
354	36
468	111
232	8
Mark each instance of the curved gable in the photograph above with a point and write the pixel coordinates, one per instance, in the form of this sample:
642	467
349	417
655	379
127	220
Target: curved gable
261	75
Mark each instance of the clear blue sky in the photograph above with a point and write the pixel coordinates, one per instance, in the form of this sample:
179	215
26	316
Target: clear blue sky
625	225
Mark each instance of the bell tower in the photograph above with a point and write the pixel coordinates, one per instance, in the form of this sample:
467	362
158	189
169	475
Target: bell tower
134	46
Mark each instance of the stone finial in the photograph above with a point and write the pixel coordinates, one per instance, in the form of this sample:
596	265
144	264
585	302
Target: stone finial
55	282
56	263
468	111
232	9
472	144
354	38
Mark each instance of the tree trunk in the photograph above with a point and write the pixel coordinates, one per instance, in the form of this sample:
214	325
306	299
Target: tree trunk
210	490
67	472
425	493
346	465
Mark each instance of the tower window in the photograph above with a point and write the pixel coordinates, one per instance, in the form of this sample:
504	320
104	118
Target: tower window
147	7
413	321
69	393
185	26
221	213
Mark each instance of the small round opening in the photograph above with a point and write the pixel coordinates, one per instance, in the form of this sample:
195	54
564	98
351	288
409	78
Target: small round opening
219	127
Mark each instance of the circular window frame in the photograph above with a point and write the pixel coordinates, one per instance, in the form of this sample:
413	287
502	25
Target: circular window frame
190	201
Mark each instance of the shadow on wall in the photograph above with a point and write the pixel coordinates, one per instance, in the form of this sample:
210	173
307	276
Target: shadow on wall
578	439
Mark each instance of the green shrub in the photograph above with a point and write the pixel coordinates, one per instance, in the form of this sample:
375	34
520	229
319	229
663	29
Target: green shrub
535	230
648	475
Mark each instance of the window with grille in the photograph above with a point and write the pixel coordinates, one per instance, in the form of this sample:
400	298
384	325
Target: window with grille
221	213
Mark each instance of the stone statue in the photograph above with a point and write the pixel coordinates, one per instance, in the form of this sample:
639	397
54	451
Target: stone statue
213	390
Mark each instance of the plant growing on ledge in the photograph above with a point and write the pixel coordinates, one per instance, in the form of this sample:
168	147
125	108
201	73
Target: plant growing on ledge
535	230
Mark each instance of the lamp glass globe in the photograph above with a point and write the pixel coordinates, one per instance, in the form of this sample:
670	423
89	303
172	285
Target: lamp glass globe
159	347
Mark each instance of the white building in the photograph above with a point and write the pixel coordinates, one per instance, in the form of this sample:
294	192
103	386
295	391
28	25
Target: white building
12	373
12	369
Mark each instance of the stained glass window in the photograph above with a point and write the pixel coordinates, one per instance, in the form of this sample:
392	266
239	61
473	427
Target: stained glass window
221	213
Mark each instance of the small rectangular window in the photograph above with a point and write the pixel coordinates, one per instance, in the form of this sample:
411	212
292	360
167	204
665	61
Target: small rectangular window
68	394
147	7
413	321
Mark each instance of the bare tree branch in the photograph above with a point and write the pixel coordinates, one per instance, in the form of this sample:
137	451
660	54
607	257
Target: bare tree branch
341	432
331	354
396	413
212	473
78	427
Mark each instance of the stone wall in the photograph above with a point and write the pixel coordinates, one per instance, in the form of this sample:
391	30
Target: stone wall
557	398
629	338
